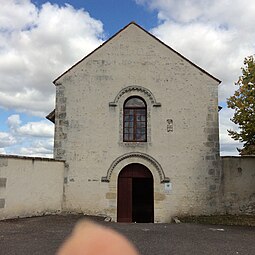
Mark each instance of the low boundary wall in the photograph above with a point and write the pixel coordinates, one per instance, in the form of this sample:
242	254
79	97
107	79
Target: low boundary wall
30	186
237	193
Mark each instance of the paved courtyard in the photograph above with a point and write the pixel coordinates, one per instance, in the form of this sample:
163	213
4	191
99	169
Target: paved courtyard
43	235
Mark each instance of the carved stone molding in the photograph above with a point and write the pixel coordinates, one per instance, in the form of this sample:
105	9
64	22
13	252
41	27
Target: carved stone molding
163	178
140	89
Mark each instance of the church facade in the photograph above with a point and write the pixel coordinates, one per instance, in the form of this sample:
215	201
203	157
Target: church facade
137	125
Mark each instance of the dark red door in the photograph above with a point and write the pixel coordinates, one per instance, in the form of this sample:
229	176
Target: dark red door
135	194
124	212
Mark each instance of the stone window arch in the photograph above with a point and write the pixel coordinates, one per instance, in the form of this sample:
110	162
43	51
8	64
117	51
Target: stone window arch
118	106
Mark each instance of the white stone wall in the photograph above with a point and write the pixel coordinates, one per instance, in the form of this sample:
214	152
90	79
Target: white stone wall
30	186
237	191
89	130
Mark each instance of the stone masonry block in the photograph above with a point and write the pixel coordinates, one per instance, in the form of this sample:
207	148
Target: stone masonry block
62	116
210	157
64	123
210	117
212	187
211	171
2	203
62	100
213	137
3	162
209	144
3	182
111	195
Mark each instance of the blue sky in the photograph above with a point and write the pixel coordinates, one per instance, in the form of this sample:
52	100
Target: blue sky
114	14
41	39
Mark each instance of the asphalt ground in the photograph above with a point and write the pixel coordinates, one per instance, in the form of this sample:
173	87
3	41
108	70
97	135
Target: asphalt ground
43	235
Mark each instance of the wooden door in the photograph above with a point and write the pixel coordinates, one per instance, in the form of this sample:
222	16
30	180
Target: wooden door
124	207
135	201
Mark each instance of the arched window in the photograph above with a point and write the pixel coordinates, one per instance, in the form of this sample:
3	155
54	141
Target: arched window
135	120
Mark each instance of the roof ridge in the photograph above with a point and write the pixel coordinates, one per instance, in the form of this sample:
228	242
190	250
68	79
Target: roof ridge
113	36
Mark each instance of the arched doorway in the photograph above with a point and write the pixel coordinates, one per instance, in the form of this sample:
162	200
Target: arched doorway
135	194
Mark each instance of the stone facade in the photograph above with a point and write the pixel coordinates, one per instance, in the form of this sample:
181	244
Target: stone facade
182	147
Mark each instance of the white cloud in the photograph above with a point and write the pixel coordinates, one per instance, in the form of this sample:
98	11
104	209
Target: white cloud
30	139
13	122
216	35
2	151
17	15
37	129
41	128
6	140
36	46
39	148
228	145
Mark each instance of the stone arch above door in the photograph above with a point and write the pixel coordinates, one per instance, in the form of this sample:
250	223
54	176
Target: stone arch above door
136	157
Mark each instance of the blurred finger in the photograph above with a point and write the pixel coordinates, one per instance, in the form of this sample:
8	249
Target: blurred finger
91	239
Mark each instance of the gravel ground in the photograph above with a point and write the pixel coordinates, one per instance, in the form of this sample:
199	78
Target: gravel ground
43	235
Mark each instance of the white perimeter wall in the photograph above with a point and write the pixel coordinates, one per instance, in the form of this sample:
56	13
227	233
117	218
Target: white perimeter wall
237	191
34	186
30	186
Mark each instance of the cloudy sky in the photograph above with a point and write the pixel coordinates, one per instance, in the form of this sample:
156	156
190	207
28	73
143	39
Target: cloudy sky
40	39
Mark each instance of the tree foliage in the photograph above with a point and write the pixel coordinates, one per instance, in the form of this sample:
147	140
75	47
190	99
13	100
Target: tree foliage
243	102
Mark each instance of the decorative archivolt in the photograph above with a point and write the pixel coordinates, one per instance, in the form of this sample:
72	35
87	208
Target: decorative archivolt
135	155
139	89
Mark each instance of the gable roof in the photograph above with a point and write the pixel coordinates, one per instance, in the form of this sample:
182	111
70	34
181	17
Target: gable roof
133	23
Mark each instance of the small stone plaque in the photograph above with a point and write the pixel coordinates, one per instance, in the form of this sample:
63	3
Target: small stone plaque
168	187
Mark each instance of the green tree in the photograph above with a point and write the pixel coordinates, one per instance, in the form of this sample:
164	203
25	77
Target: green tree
243	102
